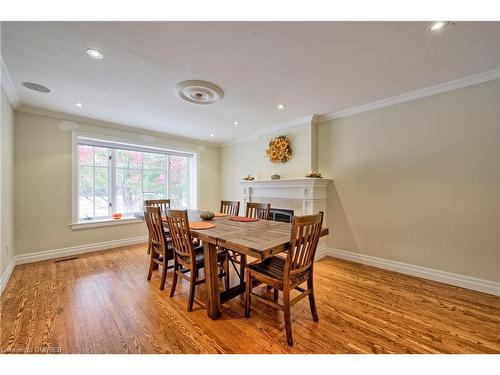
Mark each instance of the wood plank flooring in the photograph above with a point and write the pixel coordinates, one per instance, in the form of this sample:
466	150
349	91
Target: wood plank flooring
102	303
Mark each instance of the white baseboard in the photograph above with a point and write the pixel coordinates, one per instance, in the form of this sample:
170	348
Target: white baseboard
462	281
6	276
322	252
65	252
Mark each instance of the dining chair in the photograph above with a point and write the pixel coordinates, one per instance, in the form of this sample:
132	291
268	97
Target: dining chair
161	250
288	274
187	257
230	207
163	204
258	210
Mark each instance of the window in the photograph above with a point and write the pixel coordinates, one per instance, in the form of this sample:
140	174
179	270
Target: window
118	177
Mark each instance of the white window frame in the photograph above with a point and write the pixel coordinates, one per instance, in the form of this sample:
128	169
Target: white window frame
135	145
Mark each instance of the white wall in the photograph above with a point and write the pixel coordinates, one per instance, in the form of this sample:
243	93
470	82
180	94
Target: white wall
43	170
6	183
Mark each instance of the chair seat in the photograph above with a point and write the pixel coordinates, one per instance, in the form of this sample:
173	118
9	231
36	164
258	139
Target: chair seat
274	268
200	259
170	250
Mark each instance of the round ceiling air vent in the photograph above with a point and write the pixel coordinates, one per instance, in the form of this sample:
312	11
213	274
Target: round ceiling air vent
36	87
199	92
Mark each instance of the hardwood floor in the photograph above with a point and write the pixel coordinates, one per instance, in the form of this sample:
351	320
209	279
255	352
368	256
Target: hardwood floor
102	303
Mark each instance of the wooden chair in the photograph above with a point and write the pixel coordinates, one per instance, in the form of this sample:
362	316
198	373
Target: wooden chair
258	210
163	204
287	274
161	250
230	207
187	257
255	210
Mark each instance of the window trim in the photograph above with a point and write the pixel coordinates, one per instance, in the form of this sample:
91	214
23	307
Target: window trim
153	146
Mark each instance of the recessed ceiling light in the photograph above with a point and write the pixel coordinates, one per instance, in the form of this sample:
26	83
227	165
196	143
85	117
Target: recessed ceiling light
281	106
95	54
211	135
79	105
236	123
435	26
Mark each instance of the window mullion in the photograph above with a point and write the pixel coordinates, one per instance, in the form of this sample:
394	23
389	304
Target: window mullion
188	183
167	177
142	177
112	181
93	182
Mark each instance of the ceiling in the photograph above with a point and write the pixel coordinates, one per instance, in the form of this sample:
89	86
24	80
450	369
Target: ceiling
312	67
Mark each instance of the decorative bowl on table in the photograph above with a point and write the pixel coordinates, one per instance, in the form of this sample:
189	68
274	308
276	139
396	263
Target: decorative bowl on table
207	215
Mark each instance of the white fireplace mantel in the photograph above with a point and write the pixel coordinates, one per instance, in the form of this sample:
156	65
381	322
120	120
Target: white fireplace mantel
303	195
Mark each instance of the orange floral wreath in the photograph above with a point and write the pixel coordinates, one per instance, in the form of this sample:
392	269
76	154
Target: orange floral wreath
279	150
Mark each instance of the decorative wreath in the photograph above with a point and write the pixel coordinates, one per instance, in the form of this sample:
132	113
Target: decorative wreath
279	150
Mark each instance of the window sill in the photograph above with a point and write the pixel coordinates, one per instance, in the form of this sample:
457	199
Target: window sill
104	223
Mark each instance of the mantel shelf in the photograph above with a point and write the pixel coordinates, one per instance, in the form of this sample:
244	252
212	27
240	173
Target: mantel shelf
303	195
297	182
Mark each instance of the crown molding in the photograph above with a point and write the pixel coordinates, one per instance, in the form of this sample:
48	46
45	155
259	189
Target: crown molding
271	129
417	94
8	86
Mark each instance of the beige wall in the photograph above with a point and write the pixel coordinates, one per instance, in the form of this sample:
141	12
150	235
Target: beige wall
419	182
241	159
6	183
43	201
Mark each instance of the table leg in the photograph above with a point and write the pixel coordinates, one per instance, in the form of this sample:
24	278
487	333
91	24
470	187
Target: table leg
211	280
243	264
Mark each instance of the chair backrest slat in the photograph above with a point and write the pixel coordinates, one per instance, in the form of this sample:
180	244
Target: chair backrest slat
152	216
258	210
178	226
164	204
306	231
230	207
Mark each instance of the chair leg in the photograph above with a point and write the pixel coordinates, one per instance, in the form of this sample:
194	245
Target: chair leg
275	294
151	266
174	281
163	274
288	319
149	247
192	286
247	293
312	302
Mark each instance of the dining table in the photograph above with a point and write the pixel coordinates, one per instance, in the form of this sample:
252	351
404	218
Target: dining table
259	239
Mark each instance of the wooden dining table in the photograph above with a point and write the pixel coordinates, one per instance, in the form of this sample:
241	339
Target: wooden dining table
259	239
